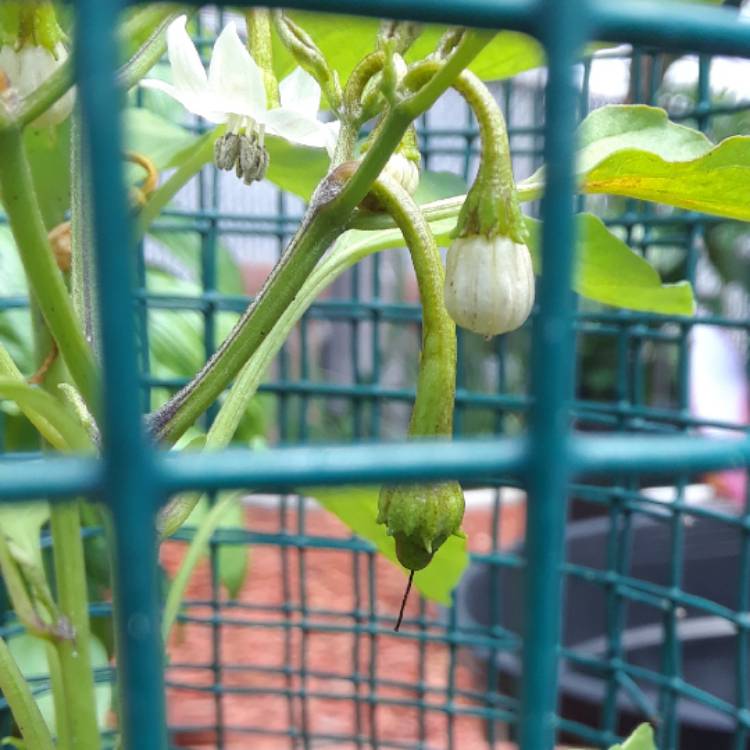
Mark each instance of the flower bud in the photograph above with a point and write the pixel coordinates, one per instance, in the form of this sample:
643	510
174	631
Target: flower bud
400	169
420	517
404	171
27	68
489	284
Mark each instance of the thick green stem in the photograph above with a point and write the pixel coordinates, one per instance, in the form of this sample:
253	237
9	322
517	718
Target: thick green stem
329	212
436	383
75	655
83	272
45	280
25	711
259	40
73	650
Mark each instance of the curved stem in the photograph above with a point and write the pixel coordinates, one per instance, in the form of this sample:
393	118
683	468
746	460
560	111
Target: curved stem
492	205
436	381
329	212
45	280
195	552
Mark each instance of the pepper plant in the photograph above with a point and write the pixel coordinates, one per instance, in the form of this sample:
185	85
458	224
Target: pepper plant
327	111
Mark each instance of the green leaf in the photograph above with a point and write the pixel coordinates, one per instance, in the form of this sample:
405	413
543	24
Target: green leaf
435	186
508	54
30	655
635	151
15	323
206	521
608	271
344	40
162	141
186	247
232	559
715	183
21	525
641	739
357	507
294	168
63	430
614	128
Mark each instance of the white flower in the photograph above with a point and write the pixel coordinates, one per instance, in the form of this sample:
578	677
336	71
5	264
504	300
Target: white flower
27	69
233	91
489	284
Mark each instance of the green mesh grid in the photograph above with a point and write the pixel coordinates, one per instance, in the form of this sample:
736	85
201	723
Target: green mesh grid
456	679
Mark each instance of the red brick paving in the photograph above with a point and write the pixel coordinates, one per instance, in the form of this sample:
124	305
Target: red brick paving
329	583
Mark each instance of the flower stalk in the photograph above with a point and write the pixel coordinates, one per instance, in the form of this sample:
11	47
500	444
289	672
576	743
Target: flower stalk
421	517
327	217
309	57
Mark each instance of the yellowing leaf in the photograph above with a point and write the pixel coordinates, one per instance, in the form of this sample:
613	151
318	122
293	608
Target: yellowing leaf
635	151
714	183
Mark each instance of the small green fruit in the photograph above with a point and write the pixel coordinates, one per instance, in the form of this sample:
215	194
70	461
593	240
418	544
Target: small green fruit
421	517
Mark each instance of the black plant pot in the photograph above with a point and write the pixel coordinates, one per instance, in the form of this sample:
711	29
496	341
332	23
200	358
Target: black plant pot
707	652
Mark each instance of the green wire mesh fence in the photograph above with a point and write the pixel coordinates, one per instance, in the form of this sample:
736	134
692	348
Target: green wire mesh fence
307	657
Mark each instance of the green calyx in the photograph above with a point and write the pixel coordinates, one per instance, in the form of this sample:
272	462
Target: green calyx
491	207
421	517
30	23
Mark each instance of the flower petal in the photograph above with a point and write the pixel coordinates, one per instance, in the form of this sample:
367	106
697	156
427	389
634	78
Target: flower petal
187	69
296	128
300	92
234	77
198	103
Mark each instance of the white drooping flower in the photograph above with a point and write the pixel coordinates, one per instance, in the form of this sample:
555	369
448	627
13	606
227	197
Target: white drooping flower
489	284
233	91
26	69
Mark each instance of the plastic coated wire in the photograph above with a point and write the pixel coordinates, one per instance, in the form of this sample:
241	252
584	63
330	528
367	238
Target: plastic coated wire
299	393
